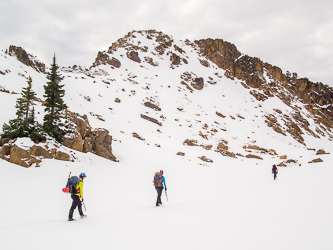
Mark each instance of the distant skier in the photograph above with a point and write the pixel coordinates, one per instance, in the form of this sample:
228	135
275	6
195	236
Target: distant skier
274	171
159	180
76	198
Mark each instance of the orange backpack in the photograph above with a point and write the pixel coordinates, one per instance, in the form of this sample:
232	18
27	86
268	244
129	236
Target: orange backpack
158	179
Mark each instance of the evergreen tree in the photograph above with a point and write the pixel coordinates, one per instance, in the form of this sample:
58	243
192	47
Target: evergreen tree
54	103
24	124
24	105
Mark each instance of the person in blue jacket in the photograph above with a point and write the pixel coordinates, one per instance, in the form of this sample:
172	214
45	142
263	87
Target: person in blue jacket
159	182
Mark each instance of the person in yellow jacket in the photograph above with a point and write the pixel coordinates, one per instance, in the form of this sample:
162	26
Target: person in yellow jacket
77	198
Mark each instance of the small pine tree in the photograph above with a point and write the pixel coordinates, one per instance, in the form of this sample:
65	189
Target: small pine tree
24	105
54	103
24	124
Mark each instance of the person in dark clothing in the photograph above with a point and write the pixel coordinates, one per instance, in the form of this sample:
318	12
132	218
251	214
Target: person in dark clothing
76	199
159	180
274	171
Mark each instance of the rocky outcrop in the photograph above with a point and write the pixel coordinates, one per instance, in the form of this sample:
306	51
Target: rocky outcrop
164	42
223	148
85	139
318	160
220	115
136	135
33	156
253	156
321	152
205	159
152	106
82	138
260	149
151	61
134	56
175	59
190	142
26	58
103	58
289	163
196	82
220	52
153	120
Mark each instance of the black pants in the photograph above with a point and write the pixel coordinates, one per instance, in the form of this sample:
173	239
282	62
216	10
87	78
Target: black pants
76	203
275	173
159	193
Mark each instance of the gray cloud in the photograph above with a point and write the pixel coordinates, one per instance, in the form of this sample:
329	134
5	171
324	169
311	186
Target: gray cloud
296	35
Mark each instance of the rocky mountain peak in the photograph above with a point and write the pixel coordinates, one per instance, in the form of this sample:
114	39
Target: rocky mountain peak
262	79
132	44
317	97
26	58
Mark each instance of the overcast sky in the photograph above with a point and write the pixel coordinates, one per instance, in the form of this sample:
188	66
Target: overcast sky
296	35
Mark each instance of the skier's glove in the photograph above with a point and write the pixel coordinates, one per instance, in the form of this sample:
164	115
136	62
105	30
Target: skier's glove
81	200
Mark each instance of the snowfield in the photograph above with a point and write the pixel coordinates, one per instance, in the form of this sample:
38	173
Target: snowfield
225	205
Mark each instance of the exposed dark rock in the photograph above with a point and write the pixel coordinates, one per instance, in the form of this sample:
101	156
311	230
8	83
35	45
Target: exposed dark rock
253	156
190	142
152	106
316	160
205	159
151	119
321	152
134	56
135	135
175	59
198	83
26	58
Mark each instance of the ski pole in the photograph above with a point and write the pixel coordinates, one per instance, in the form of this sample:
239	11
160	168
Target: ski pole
166	195
84	206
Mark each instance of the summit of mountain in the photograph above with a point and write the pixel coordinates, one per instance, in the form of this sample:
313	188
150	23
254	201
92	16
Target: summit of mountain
262	79
200	99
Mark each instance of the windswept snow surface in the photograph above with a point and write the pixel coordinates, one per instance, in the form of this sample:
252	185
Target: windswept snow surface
225	205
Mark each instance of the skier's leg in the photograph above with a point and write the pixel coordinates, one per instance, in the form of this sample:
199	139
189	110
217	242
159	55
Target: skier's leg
160	202
74	204
79	206
159	193
157	190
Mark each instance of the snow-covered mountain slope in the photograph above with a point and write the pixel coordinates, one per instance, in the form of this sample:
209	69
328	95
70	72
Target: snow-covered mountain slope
149	84
227	201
